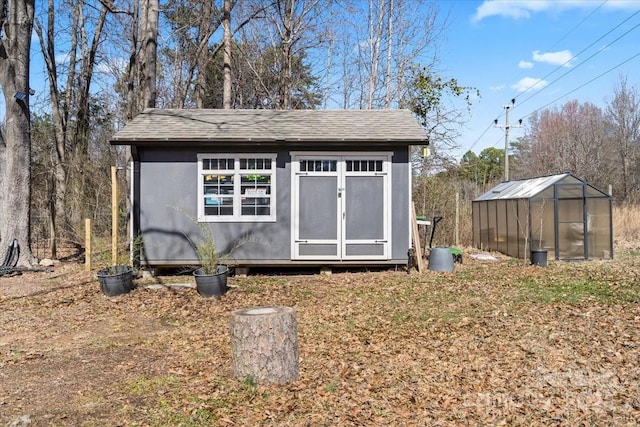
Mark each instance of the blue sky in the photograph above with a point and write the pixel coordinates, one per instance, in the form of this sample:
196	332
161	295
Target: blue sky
504	47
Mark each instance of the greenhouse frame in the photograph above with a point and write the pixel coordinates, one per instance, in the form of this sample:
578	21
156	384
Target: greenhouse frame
560	214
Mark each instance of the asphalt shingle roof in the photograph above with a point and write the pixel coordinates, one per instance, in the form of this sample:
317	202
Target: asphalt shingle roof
157	126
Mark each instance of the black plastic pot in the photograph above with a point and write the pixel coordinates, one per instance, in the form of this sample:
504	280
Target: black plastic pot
539	257
212	285
116	280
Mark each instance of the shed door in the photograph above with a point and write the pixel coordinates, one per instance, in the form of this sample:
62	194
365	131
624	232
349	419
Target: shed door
340	209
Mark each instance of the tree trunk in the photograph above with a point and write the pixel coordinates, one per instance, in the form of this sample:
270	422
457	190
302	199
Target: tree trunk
150	49
16	21
226	86
264	344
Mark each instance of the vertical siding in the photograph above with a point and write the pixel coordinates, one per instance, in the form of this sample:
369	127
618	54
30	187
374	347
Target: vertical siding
168	200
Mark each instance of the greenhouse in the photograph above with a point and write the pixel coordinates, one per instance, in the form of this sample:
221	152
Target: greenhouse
559	214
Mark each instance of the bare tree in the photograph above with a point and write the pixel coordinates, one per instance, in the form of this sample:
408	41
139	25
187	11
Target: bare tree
383	40
568	139
16	25
70	98
623	125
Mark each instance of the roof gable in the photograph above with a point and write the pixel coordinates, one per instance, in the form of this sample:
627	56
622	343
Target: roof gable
157	126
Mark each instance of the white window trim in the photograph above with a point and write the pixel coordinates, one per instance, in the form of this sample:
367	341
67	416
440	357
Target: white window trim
237	217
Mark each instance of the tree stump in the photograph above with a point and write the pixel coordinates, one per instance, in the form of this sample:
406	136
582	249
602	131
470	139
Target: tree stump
264	344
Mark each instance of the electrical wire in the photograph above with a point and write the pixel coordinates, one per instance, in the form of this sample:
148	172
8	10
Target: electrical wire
575	27
551	47
581	63
584	84
497	142
479	138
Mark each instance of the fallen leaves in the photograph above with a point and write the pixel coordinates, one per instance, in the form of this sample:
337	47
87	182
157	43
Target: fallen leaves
490	344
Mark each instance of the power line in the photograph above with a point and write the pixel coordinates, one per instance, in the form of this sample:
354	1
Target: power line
551	47
480	137
583	62
578	24
497	142
584	84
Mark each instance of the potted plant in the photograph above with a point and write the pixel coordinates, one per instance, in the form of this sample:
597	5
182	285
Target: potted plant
116	280
211	277
539	253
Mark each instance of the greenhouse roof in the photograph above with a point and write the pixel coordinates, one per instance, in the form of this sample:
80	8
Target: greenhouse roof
527	188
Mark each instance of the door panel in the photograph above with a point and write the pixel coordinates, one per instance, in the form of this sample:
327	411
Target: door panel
318	208
364	208
341	210
364	232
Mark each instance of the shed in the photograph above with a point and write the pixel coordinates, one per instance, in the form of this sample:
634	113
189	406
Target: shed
558	213
297	187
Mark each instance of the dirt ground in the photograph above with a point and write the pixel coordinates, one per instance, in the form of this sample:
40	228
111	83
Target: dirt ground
494	343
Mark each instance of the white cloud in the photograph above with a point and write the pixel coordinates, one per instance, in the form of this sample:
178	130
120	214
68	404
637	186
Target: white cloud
562	57
525	65
114	66
529	83
510	9
62	58
523	9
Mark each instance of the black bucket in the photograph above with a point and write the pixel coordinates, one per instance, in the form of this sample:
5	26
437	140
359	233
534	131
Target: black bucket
116	280
539	257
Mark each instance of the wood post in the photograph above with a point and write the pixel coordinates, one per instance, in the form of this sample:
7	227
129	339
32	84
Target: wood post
87	244
457	227
114	216
264	344
415	234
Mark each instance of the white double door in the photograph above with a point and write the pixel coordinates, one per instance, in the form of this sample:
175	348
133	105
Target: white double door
340	206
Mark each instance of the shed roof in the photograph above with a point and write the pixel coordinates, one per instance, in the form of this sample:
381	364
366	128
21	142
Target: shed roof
527	188
162	126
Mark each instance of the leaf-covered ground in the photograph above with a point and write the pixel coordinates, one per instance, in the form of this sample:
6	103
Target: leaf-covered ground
494	343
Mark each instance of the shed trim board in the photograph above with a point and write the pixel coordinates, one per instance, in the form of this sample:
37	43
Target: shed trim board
355	213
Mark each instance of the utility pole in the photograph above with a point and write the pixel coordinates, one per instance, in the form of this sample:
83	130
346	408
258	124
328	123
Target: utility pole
506	128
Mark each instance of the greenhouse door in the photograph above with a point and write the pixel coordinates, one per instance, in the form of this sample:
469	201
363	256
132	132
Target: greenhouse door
571	228
339	207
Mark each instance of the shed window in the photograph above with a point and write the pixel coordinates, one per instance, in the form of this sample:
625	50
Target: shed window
236	187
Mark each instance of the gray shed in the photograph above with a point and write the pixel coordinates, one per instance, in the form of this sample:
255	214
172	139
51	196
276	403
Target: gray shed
561	214
300	187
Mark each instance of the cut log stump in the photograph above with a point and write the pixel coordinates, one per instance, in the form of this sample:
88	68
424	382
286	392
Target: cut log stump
264	344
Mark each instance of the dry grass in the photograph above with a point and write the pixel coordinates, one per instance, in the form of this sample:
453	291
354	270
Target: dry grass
626	227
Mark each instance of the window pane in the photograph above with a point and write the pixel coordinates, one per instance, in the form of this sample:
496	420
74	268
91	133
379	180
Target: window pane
256	206
217	164
253	185
226	188
218	194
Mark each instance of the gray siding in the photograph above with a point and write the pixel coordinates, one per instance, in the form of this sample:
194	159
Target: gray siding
168	201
